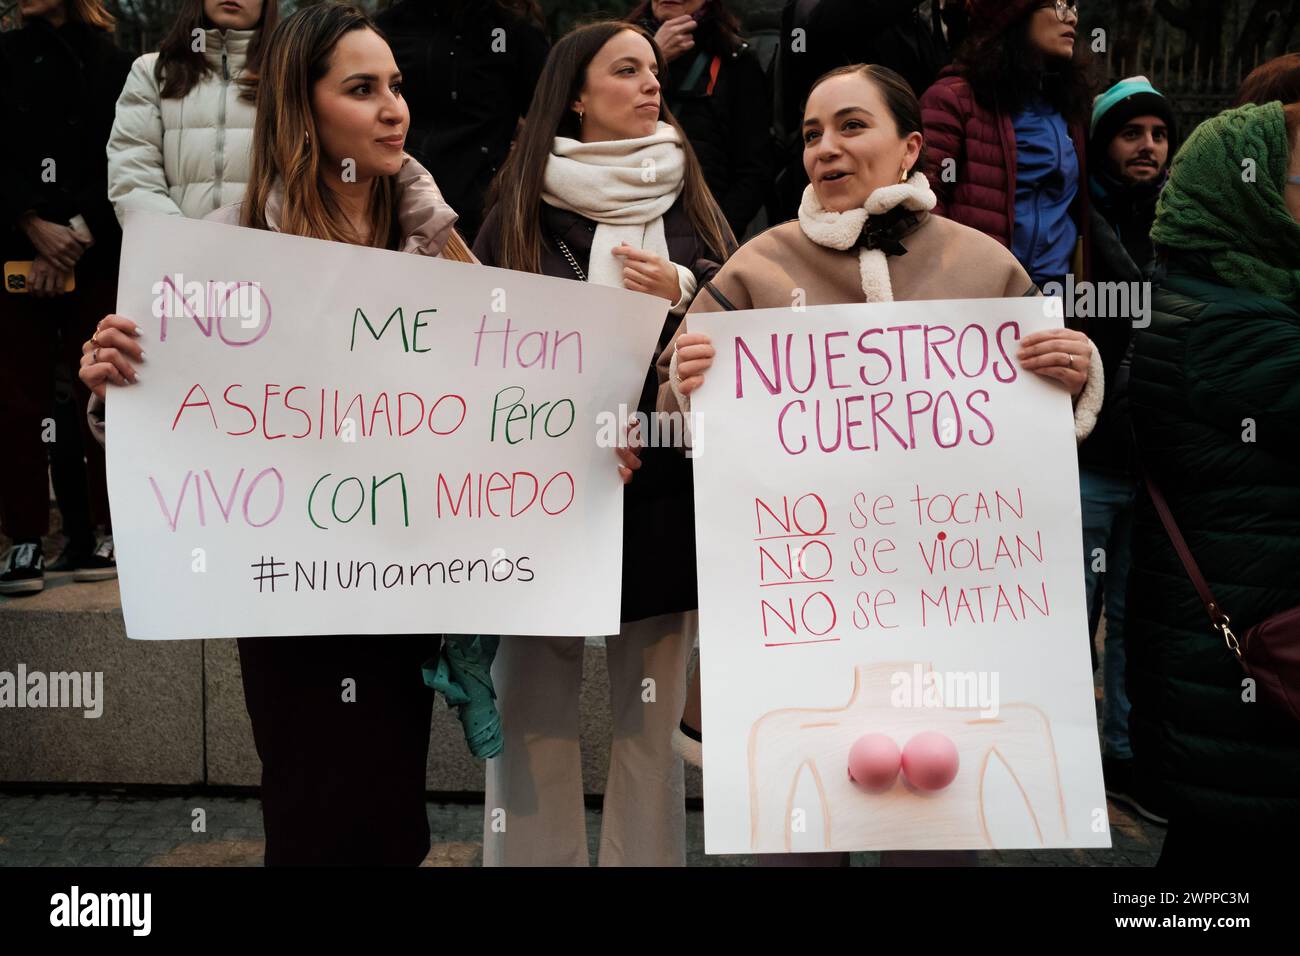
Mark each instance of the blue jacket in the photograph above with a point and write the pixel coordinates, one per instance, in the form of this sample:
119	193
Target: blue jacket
1047	181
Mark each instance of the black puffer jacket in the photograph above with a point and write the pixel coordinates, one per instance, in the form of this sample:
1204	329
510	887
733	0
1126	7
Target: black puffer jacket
1215	401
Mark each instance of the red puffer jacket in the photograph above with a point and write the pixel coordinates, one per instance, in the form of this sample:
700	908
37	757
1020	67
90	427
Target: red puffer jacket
982	145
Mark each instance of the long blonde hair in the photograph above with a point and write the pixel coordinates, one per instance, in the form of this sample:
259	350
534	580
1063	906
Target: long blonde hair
286	143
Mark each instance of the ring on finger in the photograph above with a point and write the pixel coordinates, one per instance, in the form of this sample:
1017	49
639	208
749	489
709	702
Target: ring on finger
94	356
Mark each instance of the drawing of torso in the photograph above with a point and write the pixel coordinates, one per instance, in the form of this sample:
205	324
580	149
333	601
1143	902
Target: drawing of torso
786	743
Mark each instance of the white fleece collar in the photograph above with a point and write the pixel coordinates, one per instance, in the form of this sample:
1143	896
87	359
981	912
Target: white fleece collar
841	230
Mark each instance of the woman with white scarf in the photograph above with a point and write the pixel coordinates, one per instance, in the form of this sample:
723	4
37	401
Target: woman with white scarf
603	187
865	233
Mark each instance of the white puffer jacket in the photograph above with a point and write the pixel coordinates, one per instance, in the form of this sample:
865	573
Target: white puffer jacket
189	156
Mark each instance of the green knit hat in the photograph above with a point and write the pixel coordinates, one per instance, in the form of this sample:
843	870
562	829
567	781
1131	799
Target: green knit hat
1242	228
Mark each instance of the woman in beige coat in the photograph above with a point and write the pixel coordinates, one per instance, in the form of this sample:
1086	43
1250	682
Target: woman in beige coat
865	233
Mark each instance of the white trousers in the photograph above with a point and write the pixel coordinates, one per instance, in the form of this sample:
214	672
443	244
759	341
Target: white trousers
533	812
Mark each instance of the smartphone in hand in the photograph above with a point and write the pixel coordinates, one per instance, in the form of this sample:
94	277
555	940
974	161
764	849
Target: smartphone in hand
18	276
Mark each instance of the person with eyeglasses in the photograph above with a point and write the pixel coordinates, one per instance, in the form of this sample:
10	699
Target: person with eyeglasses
1215	406
1006	127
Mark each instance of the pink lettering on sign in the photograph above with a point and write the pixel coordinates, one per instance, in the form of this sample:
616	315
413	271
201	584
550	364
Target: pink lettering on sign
542	349
262	502
211	304
949	372
793	552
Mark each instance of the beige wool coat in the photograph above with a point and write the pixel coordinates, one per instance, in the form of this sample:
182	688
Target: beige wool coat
944	260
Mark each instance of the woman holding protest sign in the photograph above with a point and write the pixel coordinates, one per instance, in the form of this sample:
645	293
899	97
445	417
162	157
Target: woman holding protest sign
343	779
866	233
184	124
604	187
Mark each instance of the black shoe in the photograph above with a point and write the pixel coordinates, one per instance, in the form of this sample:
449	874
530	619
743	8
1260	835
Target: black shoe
1123	786
73	556
100	566
23	569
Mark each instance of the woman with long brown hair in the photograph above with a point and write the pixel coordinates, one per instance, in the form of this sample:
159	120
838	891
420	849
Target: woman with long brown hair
604	187
340	783
180	143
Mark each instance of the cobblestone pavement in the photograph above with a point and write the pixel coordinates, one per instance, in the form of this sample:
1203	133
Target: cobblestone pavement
139	828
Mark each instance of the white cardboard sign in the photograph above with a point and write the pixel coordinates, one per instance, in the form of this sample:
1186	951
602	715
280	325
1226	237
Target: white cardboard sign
328	439
888	534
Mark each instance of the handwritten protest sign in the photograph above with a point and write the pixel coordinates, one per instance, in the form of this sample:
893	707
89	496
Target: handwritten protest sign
329	439
890	571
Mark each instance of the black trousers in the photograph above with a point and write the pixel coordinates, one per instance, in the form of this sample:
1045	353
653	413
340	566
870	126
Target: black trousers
342	779
39	334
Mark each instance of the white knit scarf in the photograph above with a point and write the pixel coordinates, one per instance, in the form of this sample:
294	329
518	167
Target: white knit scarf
625	186
840	230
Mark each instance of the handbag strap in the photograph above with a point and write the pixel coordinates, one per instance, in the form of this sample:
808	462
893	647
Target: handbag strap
721	299
1218	620
573	263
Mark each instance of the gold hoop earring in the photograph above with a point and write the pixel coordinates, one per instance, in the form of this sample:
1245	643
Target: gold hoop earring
902	175
580	114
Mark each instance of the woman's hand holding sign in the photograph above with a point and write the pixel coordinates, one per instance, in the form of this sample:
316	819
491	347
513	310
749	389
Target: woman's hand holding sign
629	458
694	358
105	355
1060	354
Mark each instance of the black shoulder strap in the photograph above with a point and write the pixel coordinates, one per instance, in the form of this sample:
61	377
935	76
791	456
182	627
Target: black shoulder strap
721	299
1032	291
